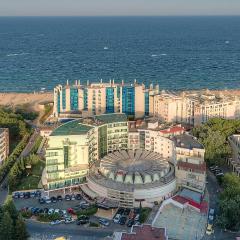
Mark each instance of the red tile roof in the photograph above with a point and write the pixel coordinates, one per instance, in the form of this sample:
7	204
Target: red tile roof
145	232
172	130
187	165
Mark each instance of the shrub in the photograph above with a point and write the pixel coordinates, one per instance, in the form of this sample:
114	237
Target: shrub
144	213
89	211
93	224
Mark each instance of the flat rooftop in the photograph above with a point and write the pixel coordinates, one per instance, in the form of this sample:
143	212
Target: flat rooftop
182	224
74	127
187	141
83	125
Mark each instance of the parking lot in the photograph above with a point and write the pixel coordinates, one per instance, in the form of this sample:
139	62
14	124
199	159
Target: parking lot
68	206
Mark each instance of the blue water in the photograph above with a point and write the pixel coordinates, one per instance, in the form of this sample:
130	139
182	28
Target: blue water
175	52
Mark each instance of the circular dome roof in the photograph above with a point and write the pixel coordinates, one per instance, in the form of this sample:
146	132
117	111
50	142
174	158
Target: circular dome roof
134	167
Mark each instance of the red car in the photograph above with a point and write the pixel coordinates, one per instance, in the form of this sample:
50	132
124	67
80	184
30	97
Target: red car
71	211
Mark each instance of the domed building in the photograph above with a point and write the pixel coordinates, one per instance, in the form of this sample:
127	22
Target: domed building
131	177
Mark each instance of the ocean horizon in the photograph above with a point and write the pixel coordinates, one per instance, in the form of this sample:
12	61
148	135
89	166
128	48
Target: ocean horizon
178	53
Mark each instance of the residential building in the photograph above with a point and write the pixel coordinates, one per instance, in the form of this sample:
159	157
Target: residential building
190	167
234	162
194	108
4	144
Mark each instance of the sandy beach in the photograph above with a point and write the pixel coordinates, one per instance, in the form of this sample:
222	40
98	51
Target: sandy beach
31	99
34	99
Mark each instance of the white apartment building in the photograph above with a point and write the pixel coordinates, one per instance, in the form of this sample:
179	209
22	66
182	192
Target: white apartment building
194	108
190	168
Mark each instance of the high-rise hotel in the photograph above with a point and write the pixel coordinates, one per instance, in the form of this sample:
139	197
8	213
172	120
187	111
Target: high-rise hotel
194	108
100	98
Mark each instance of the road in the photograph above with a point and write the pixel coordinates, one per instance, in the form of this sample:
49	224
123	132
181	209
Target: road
214	191
25	152
72	231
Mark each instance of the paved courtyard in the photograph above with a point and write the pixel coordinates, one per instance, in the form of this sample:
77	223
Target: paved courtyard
182	224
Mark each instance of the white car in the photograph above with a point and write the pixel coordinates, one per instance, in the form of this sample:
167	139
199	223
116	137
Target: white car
50	211
117	218
47	199
56	222
56	210
137	217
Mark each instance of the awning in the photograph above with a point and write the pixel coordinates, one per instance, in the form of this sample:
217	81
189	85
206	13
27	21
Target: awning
88	191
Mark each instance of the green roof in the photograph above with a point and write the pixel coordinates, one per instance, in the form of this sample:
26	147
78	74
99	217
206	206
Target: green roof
74	127
113	117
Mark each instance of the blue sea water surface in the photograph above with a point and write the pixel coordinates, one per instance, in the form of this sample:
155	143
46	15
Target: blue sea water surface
175	52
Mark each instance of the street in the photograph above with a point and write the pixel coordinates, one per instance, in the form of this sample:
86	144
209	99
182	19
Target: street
214	191
25	152
74	232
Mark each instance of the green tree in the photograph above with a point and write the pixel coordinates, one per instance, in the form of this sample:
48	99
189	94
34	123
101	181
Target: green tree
11	209
229	204
20	230
6	228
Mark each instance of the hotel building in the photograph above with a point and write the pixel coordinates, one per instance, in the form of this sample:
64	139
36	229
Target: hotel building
75	146
127	162
100	98
4	144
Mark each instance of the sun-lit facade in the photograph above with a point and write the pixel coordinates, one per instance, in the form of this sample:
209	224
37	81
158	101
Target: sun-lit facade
100	98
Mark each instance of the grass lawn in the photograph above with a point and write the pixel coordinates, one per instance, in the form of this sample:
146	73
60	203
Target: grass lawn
31	181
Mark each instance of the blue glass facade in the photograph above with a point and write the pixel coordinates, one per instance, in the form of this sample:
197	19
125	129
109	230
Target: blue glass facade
85	99
74	99
109	100
128	100
147	103
64	99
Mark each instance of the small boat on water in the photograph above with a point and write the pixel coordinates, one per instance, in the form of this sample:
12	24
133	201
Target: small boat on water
105	48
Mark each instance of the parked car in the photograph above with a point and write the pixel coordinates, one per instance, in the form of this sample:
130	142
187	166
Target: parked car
82	220
137	217
32	194
103	222
71	211
26	195
50	211
78	196
123	220
116	218
16	195
85	205
53	199
41	200
220	174
45	210
130	222
57	211
73	197
126	211
68	220
56	222
59	198
47	199
38	193
67	197
21	195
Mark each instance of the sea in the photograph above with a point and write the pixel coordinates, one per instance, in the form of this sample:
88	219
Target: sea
178	53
